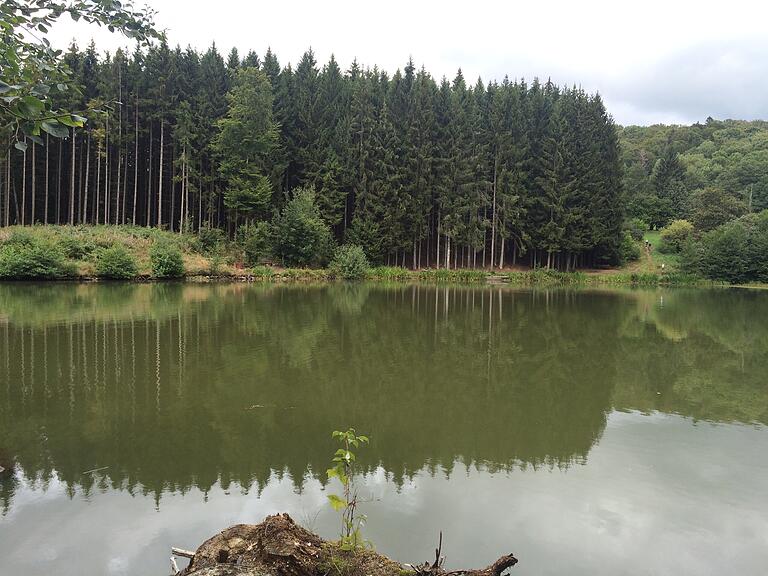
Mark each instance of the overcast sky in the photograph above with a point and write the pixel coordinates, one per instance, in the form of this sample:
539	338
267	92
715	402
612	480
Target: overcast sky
653	61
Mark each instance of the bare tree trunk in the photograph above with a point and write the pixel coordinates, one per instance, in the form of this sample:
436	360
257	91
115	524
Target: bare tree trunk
58	187
72	182
437	258
149	179
47	179
24	189
98	182
34	182
87	174
160	177
136	160
106	171
171	222
8	186
119	173
493	213
125	188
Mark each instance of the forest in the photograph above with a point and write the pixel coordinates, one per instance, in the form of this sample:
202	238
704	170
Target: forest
419	172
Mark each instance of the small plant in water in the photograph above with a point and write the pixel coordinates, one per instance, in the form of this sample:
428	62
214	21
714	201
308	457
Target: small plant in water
344	469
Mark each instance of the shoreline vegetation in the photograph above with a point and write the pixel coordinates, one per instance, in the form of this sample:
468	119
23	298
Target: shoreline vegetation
280	546
140	254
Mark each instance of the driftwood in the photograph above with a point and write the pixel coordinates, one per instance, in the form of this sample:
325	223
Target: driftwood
280	547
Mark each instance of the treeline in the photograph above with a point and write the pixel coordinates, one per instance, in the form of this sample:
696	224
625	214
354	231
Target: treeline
706	187
419	172
673	172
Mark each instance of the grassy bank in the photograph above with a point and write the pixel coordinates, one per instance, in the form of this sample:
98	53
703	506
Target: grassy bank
138	253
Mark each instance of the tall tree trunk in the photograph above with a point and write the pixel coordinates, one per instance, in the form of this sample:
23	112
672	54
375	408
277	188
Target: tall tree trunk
24	189
59	177
493	212
171	223
437	257
8	186
72	181
119	174
149	179
160	177
98	183
136	160
47	178
125	188
34	182
106	172
119	138
84	210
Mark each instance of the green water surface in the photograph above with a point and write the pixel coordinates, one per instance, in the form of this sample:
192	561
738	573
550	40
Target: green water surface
587	431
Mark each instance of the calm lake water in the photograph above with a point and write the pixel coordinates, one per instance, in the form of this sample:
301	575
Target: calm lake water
589	432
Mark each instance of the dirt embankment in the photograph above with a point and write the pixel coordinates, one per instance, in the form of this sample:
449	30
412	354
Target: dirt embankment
280	547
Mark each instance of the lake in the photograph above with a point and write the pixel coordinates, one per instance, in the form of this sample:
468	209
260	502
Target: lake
589	432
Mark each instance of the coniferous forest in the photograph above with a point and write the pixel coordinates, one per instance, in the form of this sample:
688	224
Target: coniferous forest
418	171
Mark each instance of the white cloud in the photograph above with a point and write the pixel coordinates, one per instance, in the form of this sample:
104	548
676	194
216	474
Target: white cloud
654	61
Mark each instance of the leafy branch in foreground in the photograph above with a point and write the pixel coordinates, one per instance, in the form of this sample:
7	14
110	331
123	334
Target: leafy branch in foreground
344	468
32	71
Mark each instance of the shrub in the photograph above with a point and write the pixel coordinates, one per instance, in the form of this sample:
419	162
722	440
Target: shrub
166	260
21	236
210	239
115	263
636	228
733	252
256	240
77	248
629	250
33	260
263	272
301	237
674	236
349	263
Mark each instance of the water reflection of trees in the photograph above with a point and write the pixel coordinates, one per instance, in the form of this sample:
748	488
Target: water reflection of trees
173	386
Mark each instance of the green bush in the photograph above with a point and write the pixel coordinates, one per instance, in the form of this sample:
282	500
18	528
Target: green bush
629	250
636	228
301	237
674	236
349	263
166	260
733	252
115	263
263	272
21	236
33	260
256	240
209	239
76	247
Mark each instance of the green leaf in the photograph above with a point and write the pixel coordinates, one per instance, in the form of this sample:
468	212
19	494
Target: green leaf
30	106
55	128
5	87
20	146
331	472
336	502
72	120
